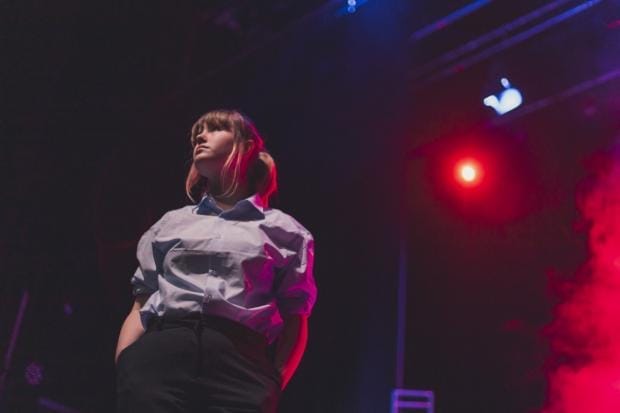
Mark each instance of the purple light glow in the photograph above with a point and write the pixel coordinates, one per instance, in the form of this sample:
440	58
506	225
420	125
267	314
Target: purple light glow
68	309
34	374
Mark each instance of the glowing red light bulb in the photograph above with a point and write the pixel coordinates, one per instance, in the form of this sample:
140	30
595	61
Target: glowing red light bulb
468	172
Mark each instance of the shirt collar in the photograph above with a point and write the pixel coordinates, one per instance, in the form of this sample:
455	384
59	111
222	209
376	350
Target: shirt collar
247	209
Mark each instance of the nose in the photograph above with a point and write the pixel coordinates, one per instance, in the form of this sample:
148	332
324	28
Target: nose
201	139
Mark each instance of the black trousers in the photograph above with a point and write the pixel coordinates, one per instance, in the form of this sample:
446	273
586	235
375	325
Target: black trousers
200	364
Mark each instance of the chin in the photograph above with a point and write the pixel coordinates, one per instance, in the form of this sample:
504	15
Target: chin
202	160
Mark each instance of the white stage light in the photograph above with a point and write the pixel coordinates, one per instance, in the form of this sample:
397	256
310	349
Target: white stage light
508	99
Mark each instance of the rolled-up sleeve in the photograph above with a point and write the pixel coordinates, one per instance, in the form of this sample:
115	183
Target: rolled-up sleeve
297	291
144	280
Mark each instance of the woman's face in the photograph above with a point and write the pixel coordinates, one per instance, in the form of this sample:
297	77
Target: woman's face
212	148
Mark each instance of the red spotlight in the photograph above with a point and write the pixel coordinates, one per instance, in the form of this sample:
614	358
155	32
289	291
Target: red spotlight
468	172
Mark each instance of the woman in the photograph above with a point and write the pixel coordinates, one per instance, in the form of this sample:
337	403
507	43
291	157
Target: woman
217	284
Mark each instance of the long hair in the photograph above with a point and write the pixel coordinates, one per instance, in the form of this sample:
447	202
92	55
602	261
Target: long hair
249	162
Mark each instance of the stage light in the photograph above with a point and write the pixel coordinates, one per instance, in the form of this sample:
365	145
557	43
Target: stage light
468	172
351	6
509	99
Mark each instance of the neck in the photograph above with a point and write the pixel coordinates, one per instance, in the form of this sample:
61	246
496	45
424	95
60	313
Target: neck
228	201
216	187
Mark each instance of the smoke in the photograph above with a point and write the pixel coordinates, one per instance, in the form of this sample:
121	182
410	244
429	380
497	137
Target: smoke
584	367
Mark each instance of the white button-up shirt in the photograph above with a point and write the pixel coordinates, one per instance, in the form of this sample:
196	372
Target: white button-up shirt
249	264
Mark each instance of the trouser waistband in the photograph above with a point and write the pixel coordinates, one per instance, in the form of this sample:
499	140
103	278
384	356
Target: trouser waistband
234	330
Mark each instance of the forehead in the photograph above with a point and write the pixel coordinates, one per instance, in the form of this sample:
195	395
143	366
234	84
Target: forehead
214	122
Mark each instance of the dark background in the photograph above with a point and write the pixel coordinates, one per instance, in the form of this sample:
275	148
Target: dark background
97	102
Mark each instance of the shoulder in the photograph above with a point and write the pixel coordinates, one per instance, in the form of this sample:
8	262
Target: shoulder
173	216
184	210
283	221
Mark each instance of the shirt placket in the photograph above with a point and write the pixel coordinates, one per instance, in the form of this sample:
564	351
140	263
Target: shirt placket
208	296
215	233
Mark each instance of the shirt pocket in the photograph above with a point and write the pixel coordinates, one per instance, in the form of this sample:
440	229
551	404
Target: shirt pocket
253	271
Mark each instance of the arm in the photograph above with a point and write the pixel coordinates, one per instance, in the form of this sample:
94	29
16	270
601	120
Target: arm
132	327
291	346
